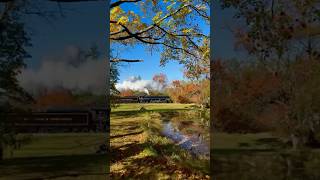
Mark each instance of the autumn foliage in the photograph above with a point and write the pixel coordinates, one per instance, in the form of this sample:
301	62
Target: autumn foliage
55	98
126	92
250	98
189	92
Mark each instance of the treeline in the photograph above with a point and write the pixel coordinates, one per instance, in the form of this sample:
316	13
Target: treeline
249	97
190	91
278	90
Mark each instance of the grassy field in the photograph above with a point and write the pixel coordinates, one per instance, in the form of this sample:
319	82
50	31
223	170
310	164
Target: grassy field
56	156
140	152
251	156
152	107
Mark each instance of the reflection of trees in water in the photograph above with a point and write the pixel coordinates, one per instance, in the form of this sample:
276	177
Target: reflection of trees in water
188	129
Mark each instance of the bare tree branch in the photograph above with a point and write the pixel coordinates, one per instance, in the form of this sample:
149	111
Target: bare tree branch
126	60
201	13
118	3
65	1
136	36
149	27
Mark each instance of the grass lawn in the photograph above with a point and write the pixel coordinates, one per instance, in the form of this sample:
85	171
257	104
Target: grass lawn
232	143
56	156
140	152
152	107
250	156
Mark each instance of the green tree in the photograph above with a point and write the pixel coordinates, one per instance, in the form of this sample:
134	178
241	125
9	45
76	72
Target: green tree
13	43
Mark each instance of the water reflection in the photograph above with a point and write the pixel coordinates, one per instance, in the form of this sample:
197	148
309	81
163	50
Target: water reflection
187	135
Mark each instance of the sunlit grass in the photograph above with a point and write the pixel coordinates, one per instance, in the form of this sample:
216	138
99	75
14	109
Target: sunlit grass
60	156
158	156
151	106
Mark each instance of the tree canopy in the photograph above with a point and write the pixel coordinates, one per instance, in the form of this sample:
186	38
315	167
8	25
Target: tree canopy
171	25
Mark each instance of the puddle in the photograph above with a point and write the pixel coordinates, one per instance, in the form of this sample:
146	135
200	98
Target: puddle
194	143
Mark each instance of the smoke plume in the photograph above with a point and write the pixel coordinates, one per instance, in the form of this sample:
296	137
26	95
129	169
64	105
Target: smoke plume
137	84
72	70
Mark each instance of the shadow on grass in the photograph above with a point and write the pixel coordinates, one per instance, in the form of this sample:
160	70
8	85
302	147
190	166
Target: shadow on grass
125	151
126	113
155	166
54	166
239	151
270	142
128	134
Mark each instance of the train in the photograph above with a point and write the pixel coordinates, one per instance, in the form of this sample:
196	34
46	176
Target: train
61	120
89	119
144	99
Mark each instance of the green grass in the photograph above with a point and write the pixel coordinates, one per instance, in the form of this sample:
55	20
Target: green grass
59	144
140	150
60	156
152	106
248	156
244	141
72	155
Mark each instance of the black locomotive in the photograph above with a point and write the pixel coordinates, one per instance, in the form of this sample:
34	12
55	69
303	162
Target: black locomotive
145	99
61	120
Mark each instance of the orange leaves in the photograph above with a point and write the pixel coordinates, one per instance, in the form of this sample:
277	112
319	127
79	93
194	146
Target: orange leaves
56	98
127	92
160	78
189	92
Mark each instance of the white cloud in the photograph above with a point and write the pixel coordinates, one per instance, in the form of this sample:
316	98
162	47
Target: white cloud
137	84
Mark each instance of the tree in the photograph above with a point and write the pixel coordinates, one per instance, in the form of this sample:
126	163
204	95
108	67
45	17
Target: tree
126	92
13	44
186	92
283	36
277	30
173	25
56	98
161	80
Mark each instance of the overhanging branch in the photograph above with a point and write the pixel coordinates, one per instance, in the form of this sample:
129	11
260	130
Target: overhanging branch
118	3
126	60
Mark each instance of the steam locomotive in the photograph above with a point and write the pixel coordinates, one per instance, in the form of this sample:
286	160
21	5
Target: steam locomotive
61	120
145	99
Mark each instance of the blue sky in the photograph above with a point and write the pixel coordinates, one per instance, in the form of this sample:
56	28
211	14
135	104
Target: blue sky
151	64
223	48
86	24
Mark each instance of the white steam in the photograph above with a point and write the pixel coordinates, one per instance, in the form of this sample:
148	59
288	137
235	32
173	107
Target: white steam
70	71
137	84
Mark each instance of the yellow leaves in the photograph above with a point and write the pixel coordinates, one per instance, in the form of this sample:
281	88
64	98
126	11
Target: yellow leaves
141	26
201	7
186	31
114	28
170	6
116	10
156	18
185	11
206	53
123	20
